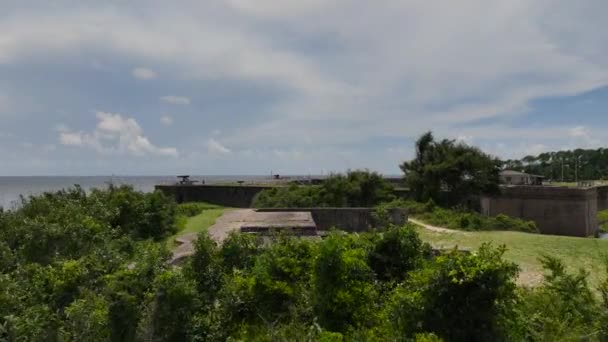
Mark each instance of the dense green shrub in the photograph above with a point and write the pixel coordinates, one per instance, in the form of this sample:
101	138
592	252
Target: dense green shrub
205	267
169	308
194	208
564	309
397	251
142	215
71	270
293	196
355	189
238	251
344	292
459	297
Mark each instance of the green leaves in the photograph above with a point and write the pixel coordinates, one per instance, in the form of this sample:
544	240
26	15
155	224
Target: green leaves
449	172
359	188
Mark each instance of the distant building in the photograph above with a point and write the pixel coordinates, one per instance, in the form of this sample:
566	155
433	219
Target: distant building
510	177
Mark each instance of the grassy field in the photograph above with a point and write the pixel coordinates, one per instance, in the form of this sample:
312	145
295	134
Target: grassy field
197	223
525	249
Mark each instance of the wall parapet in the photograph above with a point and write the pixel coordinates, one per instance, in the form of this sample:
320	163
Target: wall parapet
555	210
346	219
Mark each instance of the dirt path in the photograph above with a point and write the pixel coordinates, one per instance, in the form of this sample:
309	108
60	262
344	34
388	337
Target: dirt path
433	228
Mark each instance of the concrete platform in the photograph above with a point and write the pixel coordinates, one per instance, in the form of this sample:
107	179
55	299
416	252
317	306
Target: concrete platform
298	223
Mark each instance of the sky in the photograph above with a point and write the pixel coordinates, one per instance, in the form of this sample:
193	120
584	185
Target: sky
292	87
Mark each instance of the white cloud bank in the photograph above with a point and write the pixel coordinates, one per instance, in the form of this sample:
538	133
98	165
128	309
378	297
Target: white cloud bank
348	72
115	134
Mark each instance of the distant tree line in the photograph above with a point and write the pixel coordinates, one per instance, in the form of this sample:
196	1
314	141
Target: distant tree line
591	164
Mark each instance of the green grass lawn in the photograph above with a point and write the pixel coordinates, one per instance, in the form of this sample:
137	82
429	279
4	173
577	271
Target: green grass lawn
197	223
525	249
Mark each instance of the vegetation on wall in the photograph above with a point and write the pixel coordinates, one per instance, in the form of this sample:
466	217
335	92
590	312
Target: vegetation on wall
360	188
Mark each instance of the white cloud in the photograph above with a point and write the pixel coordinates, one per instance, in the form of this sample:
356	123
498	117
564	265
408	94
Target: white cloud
214	146
345	72
176	100
144	73
115	134
166	120
578	132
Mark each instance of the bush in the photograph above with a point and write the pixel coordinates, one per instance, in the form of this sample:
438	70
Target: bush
194	208
397	251
281	278
344	293
463	219
564	309
355	189
238	251
293	196
459	297
141	215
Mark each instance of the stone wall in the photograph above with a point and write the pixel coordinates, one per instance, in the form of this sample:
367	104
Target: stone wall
602	198
346	219
556	210
235	196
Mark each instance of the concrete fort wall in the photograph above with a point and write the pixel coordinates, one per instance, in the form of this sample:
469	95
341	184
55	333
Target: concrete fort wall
602	198
346	219
236	196
556	210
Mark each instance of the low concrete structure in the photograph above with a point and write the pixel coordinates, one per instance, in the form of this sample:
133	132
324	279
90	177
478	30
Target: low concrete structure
555	210
297	223
303	222
346	219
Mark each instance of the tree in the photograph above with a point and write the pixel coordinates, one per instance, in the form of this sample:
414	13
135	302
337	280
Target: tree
449	172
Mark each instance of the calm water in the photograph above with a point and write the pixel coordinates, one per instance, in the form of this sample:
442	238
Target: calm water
12	187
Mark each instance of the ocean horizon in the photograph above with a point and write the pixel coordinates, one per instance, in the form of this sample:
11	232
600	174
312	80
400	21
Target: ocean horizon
12	187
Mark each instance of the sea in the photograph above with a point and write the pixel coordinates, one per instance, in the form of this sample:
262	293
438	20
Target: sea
13	187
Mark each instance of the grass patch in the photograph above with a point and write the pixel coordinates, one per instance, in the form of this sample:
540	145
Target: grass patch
197	223
602	219
525	250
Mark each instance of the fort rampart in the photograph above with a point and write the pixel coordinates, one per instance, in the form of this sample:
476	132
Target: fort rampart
556	210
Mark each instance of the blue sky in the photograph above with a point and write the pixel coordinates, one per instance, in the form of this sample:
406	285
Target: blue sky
308	86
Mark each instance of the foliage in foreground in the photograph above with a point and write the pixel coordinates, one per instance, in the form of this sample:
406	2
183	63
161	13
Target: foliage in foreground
99	281
355	189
